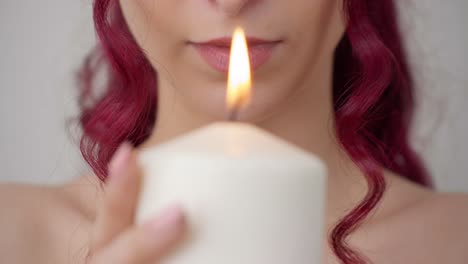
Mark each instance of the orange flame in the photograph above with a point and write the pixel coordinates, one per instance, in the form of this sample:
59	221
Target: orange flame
239	76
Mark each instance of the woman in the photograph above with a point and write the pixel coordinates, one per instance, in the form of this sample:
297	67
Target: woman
330	76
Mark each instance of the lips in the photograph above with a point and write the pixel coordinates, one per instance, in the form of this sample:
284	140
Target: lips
216	52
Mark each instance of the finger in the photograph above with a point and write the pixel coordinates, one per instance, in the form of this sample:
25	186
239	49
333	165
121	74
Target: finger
117	209
149	242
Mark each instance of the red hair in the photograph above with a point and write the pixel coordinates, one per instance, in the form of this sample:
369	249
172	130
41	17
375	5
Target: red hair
372	87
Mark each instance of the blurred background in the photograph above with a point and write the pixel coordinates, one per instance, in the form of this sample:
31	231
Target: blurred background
43	43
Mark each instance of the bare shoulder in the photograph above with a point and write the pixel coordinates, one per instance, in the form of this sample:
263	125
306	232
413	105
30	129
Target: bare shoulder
444	214
451	204
438	224
426	226
39	224
22	222
448	212
415	201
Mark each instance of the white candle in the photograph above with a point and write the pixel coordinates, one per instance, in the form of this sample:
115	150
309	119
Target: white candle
249	196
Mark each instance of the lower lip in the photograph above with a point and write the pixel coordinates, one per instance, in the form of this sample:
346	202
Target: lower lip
218	57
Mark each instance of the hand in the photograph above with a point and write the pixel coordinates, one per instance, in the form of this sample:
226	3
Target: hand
115	238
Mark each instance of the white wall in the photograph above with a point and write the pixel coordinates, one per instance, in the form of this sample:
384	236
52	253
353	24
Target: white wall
43	42
438	40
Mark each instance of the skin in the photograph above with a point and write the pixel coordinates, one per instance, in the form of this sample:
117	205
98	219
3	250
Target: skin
62	224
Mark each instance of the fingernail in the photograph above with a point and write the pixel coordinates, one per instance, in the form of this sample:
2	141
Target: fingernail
120	159
169	222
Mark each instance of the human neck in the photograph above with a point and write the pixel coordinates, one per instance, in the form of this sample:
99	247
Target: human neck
305	119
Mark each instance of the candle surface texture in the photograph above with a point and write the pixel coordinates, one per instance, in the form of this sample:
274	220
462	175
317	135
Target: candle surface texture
249	196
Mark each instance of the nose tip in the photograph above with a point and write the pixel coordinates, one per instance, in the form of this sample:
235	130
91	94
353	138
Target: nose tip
231	7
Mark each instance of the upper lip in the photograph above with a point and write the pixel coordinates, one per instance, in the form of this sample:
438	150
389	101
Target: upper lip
225	42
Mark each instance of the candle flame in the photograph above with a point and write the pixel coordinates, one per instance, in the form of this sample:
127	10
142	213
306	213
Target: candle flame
239	77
